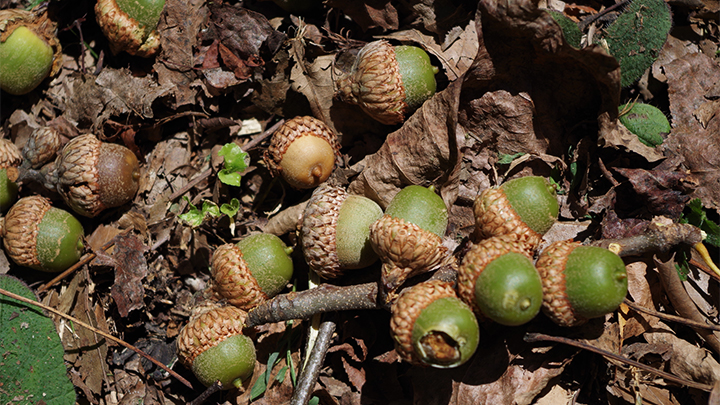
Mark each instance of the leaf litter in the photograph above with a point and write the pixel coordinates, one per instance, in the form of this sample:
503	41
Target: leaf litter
510	87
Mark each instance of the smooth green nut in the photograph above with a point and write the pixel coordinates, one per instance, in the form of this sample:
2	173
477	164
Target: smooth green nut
595	281
231	362
59	240
418	74
352	233
8	191
645	121
533	199
446	323
25	61
420	206
268	260
509	290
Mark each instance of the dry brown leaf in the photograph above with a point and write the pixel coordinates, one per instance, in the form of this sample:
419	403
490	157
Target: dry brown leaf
369	14
130	268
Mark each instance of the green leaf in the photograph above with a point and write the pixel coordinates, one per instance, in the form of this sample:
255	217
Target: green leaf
695	214
235	164
210	208
504	159
280	377
194	217
232	208
32	368
314	401
258	389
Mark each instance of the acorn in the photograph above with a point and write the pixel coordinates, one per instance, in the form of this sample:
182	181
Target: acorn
40	236
408	237
41	146
9	158
388	82
432	327
130	25
523	208
213	346
336	231
253	270
92	175
498	280
29	50
580	282
304	151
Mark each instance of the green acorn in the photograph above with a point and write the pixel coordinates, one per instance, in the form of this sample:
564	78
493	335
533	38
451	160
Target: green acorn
9	158
129	25
432	327
497	279
389	82
253	270
408	238
645	121
580	282
40	236
523	208
336	231
29	50
213	346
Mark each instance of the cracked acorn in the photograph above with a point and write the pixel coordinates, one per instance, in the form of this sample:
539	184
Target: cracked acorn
432	327
213	346
253	270
304	151
523	208
37	235
388	82
29	50
580	282
336	231
130	25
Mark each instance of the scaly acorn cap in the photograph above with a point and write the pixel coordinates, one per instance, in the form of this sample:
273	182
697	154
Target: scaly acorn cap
207	329
233	279
475	261
124	33
375	84
551	265
406	250
41	147
9	154
308	165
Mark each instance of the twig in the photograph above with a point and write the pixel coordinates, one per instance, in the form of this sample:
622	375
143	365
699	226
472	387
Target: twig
673	318
682	302
309	374
590	19
98	331
657	238
539	337
207	393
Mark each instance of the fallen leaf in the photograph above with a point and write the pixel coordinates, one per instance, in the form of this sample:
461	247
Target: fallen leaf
130	268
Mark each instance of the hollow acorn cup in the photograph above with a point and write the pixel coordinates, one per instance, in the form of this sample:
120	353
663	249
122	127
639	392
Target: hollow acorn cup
129	25
40	236
304	151
336	231
388	82
580	282
213	346
253	270
432	327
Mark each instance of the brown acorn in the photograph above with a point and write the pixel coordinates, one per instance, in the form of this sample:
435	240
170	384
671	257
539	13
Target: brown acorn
92	175
10	159
304	151
336	231
213	346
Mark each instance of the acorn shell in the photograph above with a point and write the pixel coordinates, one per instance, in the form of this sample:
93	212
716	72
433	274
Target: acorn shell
125	33
421	206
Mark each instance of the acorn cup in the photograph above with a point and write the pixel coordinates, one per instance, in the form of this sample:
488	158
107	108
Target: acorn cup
304	151
336	231
29	50
40	236
523	208
10	159
388	82
580	282
253	270
432	327
129	25
408	237
41	146
213	346
92	176
498	280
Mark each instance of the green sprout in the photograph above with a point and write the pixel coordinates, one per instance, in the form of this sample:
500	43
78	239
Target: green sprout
236	161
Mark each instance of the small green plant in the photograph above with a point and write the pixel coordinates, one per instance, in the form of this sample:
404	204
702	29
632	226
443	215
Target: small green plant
695	214
285	344
236	161
195	216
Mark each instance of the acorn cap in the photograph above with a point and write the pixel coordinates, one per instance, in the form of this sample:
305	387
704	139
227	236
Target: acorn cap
20	230
291	130
233	279
42	145
125	33
495	216
207	329
406	250
9	154
475	261
375	84
551	266
319	230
